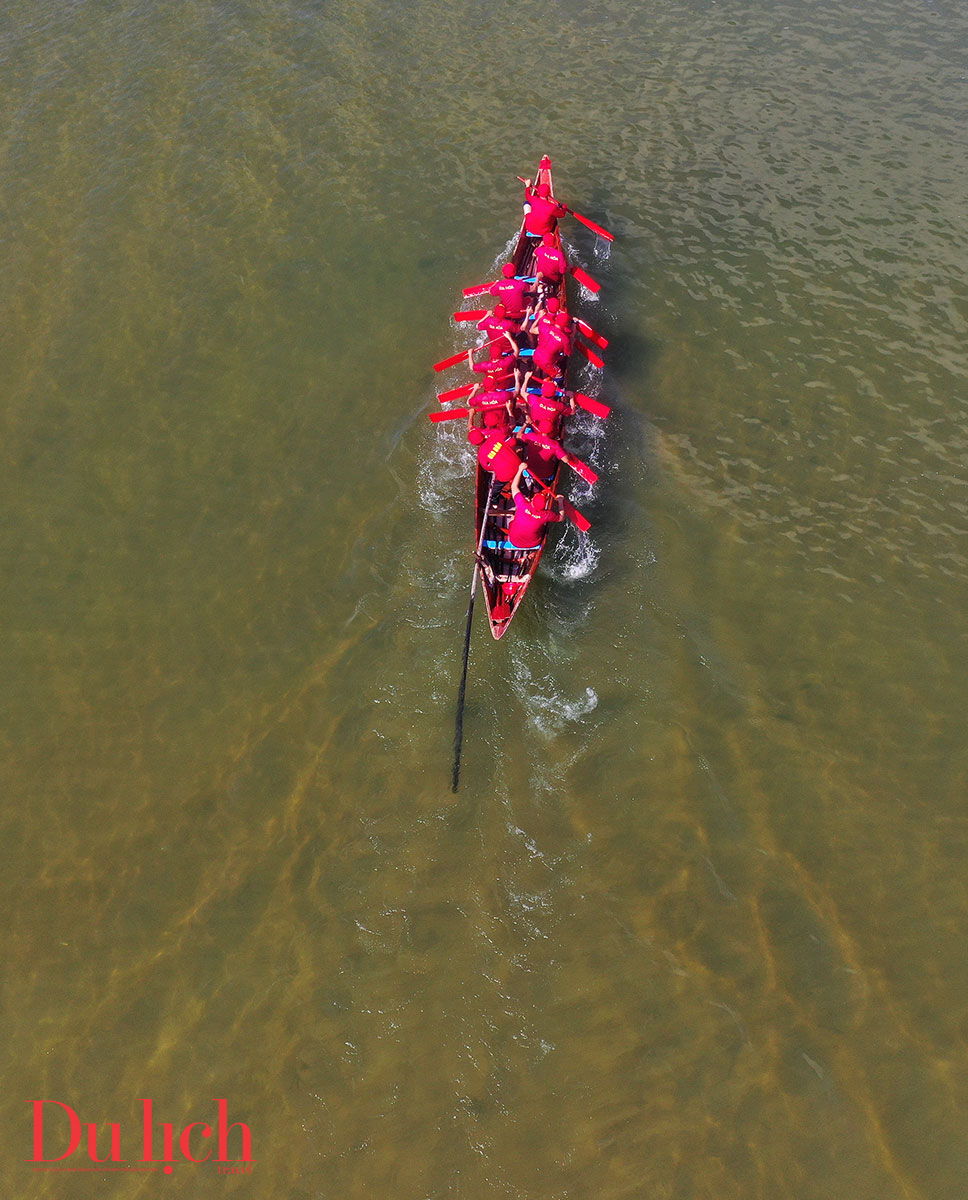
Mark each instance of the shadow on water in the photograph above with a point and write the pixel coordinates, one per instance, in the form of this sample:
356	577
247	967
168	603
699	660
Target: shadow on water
623	449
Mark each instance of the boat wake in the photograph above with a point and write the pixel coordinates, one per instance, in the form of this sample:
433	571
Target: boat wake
548	709
575	557
502	431
444	470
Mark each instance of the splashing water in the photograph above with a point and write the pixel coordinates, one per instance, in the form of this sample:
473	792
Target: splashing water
549	710
574	558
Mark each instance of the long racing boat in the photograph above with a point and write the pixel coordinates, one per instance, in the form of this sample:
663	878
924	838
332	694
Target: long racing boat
505	570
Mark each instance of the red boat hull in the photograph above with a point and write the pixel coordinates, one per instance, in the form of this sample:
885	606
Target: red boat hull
505	574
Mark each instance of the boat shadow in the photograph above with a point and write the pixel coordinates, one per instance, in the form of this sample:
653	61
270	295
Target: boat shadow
624	450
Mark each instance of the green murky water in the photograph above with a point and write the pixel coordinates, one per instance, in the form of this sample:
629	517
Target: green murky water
694	925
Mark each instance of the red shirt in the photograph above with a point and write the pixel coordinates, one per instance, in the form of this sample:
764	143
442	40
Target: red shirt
549	261
552	339
497	418
548	363
544	214
513	294
494	406
541	324
493	398
545	408
498	372
500	381
495	326
528	523
542	453
498	455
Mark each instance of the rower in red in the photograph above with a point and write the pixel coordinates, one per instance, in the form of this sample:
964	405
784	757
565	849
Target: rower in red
501	373
545	312
549	264
546	406
541	210
496	452
532	514
513	293
556	341
500	330
496	407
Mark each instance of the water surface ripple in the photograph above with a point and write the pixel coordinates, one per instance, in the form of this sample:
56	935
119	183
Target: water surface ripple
694	924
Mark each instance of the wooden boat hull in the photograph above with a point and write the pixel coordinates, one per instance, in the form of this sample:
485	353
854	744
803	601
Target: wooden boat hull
505	574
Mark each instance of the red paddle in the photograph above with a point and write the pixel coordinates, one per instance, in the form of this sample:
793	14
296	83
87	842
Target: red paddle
448	414
473	314
609	237
585	279
456	393
576	518
589	404
590	355
478	289
456	358
580	468
590	333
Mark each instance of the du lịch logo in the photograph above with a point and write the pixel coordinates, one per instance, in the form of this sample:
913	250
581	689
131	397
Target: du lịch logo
62	1142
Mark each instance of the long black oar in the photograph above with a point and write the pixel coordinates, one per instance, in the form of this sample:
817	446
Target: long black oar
459	729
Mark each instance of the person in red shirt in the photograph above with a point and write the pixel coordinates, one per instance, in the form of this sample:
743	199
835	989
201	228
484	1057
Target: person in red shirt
500	330
531	514
513	293
499	373
499	419
496	407
496	452
545	406
555	343
543	452
541	211
549	264
545	312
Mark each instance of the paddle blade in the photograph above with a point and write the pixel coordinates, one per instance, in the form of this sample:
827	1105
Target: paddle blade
448	414
586	280
590	333
590	355
456	393
576	518
451	362
609	237
478	289
582	469
473	314
589	404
